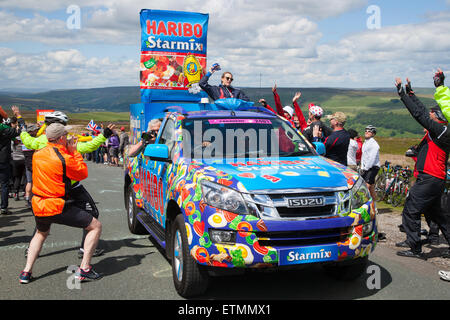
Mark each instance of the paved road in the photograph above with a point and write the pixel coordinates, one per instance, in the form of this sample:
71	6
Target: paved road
135	268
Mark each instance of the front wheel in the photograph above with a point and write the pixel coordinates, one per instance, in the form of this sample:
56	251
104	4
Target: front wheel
134	225
190	278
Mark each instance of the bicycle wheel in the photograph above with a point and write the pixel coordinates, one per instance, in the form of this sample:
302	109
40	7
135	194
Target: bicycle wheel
380	185
396	198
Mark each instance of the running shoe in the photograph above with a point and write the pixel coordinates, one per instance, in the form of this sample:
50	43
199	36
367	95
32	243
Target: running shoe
87	275
445	275
25	277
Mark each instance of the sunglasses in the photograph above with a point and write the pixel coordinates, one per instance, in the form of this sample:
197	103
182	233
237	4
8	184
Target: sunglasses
229	78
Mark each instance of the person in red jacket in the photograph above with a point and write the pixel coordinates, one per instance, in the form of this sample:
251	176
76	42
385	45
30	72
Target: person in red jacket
425	195
54	167
287	112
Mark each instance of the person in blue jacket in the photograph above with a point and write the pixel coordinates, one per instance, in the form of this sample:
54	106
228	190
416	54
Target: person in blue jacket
224	90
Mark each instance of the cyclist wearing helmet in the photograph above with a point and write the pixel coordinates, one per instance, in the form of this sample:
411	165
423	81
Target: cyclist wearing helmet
314	119
77	193
425	195
370	160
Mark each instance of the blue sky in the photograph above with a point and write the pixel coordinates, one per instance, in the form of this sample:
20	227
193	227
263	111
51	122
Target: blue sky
293	43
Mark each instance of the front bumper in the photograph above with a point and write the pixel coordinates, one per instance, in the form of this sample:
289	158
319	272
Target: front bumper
266	243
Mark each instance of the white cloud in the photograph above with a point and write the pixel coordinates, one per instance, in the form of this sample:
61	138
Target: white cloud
280	40
64	69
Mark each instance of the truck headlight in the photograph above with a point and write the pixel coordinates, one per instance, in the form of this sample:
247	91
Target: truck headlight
367	228
221	197
360	194
222	236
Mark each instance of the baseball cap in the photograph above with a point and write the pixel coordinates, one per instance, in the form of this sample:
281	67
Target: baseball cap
122	128
56	130
289	110
339	116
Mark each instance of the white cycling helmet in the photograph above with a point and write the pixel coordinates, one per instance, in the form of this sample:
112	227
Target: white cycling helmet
371	129
56	116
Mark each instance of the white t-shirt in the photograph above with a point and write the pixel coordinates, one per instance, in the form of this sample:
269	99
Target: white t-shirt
370	154
351	153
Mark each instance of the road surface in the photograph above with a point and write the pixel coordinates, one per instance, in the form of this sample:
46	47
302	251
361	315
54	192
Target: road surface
134	267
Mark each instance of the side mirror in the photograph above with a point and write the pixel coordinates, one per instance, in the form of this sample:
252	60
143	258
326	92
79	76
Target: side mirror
320	148
157	152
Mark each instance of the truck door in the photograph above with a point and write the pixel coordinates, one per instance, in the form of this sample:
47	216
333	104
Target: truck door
156	180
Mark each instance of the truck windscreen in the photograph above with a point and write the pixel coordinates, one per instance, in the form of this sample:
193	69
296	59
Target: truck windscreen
241	138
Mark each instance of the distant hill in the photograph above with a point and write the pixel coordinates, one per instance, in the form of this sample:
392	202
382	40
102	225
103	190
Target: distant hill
76	100
377	106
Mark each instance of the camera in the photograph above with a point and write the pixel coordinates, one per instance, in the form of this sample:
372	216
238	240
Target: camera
149	135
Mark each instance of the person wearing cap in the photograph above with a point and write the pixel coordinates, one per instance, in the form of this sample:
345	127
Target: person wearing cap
337	142
78	192
425	195
370	160
54	167
224	90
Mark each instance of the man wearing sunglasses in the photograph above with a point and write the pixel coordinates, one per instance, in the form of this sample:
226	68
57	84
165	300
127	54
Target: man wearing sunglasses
224	90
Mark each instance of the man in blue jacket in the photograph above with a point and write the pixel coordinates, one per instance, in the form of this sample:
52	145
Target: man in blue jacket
224	90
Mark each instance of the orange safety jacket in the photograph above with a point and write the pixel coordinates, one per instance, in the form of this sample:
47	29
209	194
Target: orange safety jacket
53	168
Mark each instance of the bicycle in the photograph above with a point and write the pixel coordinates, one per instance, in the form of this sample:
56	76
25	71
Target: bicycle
400	187
381	179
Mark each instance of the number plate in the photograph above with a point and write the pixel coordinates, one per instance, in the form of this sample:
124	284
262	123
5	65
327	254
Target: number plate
309	254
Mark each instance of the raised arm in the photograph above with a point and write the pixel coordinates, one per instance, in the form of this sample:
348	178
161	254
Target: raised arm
419	112
278	104
298	111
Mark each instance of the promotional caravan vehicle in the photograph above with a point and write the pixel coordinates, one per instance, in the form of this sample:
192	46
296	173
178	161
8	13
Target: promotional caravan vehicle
229	185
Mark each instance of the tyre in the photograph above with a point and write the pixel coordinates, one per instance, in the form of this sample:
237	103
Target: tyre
380	185
347	270
134	225
190	278
396	198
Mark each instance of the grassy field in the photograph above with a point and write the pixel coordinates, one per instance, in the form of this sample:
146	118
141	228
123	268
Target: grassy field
100	117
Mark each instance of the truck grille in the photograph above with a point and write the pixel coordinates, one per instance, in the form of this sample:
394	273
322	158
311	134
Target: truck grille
286	212
327	206
302	238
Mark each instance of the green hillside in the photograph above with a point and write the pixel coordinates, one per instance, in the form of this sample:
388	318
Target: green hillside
379	107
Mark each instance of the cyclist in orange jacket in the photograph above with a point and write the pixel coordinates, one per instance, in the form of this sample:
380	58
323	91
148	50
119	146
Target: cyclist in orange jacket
54	167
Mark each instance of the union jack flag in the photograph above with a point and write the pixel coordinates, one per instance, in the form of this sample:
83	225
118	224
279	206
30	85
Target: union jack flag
92	126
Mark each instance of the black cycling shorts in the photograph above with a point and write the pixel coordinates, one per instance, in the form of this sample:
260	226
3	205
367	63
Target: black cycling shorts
369	175
71	216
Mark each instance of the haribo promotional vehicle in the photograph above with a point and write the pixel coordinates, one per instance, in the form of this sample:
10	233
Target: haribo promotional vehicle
228	185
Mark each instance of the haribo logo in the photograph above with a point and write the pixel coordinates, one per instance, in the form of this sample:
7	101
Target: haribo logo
171	28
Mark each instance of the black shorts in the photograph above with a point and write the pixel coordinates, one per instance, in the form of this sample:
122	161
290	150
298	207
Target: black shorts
369	175
114	152
71	216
